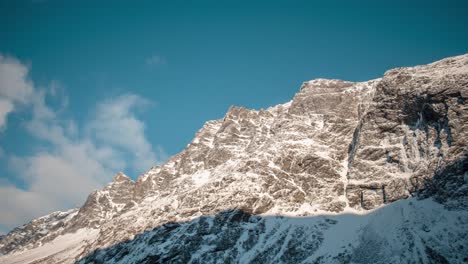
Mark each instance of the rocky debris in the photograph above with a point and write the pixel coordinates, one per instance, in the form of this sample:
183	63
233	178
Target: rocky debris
337	147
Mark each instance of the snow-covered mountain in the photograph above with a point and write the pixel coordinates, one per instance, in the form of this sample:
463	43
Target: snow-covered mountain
367	172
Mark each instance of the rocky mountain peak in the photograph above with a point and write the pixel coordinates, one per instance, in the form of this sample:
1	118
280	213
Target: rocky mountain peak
104	204
120	177
346	172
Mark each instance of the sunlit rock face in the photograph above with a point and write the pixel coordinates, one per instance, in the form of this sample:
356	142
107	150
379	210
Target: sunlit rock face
309	180
102	205
416	125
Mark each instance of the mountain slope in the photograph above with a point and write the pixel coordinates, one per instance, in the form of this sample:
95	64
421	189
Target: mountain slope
403	232
283	184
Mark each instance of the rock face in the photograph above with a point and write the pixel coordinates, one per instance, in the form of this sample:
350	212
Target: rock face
102	205
294	183
415	126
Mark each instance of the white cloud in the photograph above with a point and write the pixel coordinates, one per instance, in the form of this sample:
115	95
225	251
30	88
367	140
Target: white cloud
116	124
6	107
14	84
155	60
15	88
17	205
77	159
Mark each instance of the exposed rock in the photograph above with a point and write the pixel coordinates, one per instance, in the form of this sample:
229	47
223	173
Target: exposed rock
337	147
36	232
102	205
415	125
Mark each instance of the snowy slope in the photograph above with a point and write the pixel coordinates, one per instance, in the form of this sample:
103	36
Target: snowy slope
36	232
410	230
62	249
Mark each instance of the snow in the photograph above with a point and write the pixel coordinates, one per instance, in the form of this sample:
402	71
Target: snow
389	223
63	247
201	178
275	110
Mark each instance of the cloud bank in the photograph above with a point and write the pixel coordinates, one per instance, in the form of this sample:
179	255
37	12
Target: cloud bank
74	159
15	88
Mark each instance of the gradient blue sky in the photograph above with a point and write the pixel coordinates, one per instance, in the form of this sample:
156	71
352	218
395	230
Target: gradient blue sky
167	67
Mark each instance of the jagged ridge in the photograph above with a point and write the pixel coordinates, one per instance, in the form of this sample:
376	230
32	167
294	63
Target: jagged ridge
337	147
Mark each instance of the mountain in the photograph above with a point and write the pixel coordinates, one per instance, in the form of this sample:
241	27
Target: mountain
346	172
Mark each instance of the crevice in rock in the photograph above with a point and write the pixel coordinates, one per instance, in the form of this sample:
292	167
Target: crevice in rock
384	195
362	199
353	146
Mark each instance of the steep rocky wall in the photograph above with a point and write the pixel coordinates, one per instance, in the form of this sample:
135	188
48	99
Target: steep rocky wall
416	126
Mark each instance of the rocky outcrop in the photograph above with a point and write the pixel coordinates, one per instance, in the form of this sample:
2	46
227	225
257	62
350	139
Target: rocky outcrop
102	205
416	125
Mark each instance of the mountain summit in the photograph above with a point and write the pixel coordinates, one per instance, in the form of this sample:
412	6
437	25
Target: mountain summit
346	172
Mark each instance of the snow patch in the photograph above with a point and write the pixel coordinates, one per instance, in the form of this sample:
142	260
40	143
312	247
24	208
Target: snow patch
63	248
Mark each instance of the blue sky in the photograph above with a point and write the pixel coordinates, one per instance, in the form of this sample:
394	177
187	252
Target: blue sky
89	88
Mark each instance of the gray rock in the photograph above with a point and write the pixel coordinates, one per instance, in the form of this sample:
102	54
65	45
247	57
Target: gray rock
337	147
